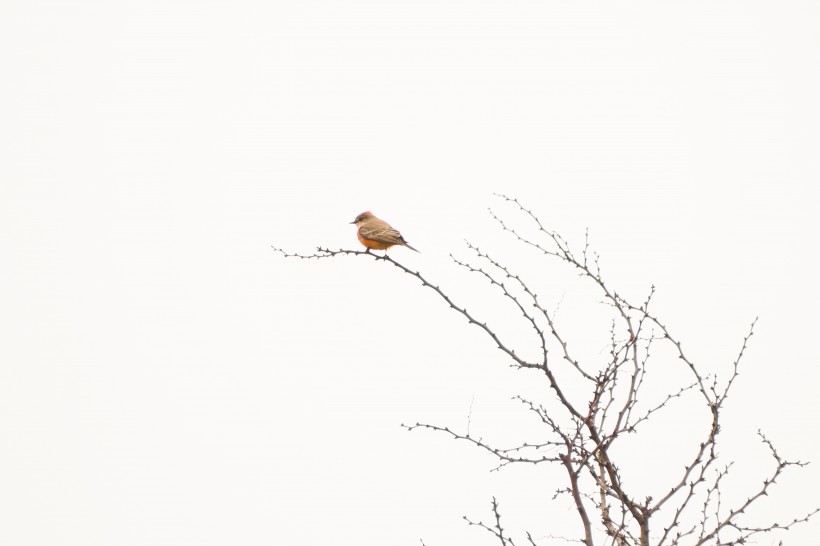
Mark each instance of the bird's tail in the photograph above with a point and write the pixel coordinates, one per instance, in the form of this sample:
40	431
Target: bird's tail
411	248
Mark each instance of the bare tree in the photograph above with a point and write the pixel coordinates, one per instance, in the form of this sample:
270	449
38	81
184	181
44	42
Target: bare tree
690	508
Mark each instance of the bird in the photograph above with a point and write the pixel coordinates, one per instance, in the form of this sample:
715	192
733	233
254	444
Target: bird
374	233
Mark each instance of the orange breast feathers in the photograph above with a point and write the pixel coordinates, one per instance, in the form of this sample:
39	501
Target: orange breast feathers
372	243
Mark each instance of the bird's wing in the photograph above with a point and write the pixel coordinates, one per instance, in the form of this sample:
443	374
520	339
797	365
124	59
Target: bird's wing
378	230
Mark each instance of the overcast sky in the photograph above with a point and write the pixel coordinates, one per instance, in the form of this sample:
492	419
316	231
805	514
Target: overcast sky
166	378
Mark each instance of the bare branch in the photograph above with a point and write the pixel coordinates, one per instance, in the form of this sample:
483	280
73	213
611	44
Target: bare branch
746	531
506	456
612	405
327	253
497	530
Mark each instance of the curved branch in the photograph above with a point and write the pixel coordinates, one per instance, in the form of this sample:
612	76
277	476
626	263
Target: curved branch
327	253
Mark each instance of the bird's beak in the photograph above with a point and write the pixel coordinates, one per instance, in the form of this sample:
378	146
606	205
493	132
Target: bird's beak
353	222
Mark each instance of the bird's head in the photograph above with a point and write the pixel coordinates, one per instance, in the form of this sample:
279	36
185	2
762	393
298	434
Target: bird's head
362	218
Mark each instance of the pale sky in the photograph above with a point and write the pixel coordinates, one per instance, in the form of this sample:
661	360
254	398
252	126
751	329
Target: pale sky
166	379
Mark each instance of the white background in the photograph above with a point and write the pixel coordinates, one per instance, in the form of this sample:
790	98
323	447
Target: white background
165	378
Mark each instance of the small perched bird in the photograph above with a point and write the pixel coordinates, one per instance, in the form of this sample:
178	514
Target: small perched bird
377	234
